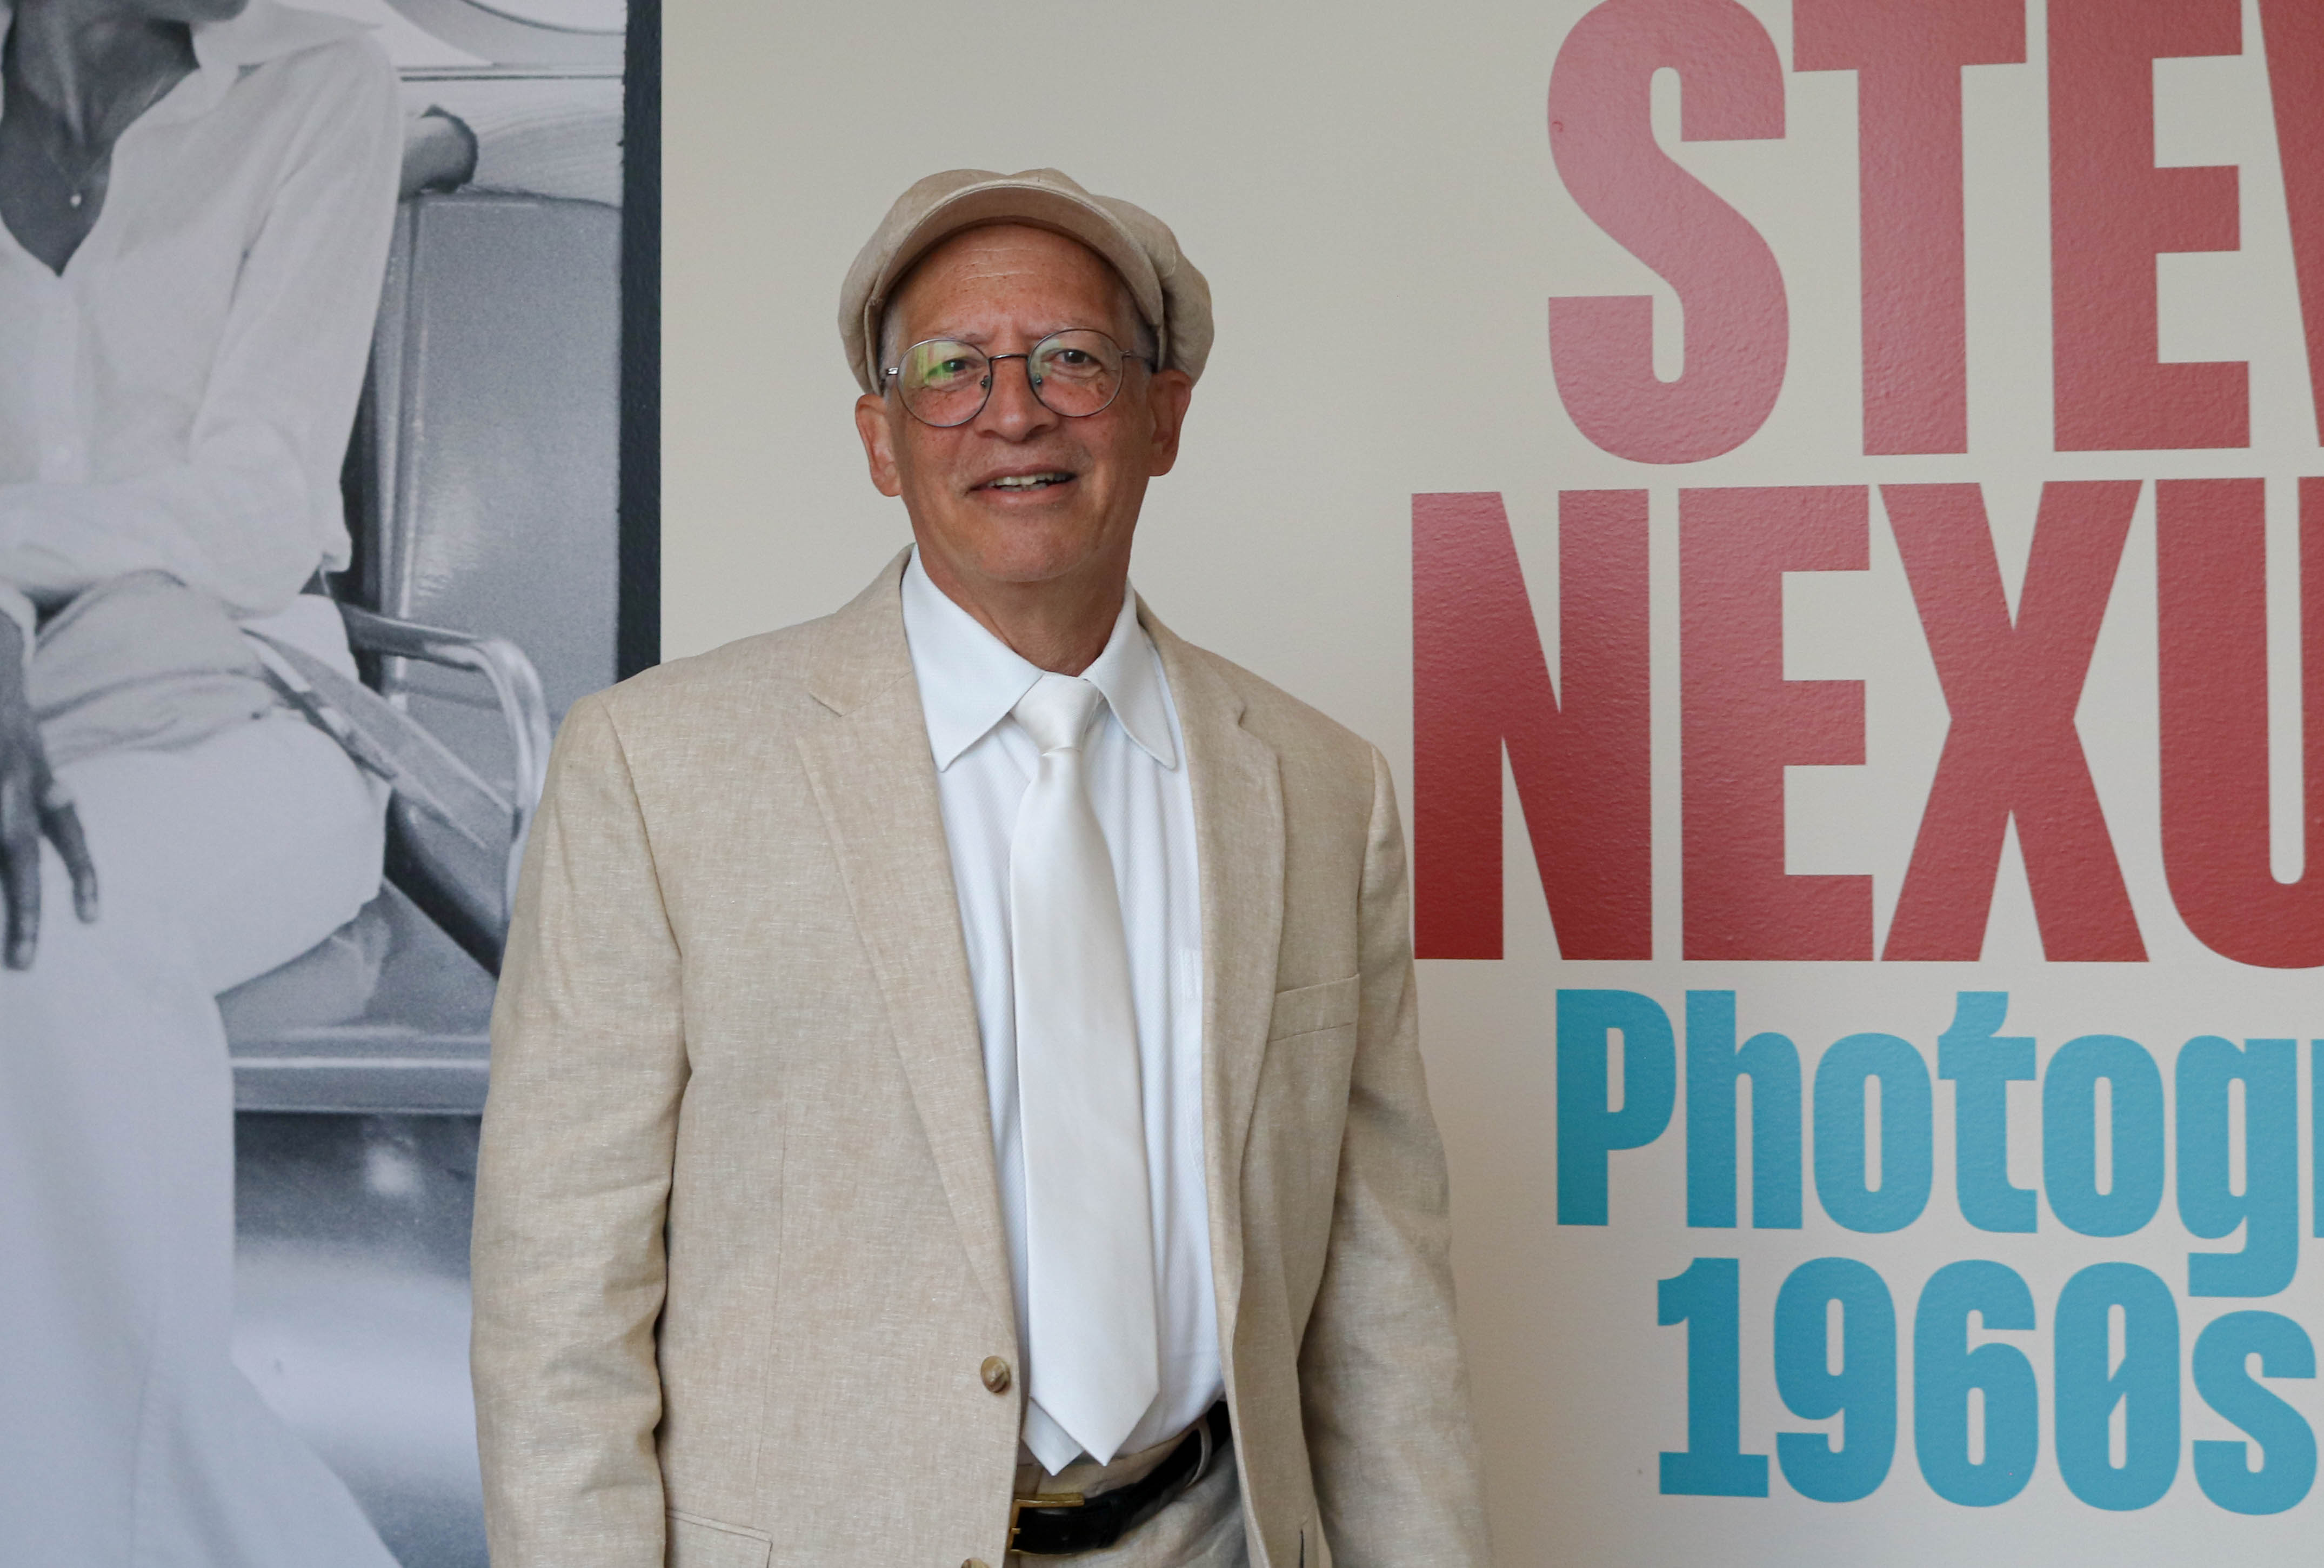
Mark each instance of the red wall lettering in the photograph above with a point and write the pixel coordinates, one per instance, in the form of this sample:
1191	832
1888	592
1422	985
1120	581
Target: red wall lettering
2012	750
2211	553
2293	34
1582	766
1743	724
1909	58
2112	212
1600	132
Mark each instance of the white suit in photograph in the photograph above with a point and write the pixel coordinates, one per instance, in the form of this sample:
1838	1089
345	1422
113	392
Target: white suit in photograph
174	408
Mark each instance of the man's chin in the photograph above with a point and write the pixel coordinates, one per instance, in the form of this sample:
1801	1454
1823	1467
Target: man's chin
1025	549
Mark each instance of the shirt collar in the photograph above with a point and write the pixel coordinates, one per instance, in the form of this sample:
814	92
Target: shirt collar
970	679
266	31
263	31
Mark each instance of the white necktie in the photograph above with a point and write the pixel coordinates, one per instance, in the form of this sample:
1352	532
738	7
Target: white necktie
1094	1355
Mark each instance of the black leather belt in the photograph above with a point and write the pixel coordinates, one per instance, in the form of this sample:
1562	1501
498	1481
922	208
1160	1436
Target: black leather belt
1059	1523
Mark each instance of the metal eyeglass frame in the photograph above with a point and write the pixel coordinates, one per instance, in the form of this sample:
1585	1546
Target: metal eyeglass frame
891	372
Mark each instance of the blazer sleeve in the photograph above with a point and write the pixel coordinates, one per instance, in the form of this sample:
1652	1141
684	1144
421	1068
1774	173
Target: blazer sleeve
573	1179
1385	1393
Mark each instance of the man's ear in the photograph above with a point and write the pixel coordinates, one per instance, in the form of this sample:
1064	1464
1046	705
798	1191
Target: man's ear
1167	393
872	423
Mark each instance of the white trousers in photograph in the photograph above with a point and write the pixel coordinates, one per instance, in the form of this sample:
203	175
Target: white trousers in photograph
128	1439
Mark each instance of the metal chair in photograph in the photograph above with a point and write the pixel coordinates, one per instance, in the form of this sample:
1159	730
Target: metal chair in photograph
483	602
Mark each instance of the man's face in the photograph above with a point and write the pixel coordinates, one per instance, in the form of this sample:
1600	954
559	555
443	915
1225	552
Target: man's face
1003	289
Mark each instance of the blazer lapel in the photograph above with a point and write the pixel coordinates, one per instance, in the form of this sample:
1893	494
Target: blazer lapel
875	785
1238	788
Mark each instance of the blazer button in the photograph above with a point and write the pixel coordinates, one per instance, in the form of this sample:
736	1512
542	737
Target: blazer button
995	1373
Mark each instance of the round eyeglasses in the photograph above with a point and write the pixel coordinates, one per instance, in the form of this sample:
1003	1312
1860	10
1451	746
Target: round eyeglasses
1076	374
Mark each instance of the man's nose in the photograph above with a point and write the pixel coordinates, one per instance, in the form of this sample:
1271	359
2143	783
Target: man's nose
1011	408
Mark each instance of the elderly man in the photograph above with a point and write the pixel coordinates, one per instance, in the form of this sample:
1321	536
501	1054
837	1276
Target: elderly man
956	1092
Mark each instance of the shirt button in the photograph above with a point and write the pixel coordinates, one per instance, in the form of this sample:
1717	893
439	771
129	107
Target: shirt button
995	1373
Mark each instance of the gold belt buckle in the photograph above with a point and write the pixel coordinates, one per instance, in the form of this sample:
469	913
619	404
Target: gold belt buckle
1040	1500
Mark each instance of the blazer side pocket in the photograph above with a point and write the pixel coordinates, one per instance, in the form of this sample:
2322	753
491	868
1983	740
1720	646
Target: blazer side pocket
695	1542
1308	1008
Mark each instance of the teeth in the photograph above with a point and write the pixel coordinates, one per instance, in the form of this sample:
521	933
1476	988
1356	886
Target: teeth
1028	481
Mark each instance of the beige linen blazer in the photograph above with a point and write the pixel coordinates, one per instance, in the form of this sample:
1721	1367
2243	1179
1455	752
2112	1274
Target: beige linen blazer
738	1253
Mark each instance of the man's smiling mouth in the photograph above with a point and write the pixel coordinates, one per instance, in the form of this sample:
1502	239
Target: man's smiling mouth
1028	480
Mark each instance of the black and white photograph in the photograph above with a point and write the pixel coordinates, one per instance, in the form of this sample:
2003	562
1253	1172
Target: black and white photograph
314	454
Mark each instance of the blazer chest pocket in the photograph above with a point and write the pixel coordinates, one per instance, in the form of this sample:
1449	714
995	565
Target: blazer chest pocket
695	1542
1308	1008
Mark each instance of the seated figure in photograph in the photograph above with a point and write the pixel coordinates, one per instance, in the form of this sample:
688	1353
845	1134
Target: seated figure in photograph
195	197
956	1088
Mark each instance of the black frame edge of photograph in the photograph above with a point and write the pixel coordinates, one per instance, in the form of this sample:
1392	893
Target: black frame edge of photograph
637	634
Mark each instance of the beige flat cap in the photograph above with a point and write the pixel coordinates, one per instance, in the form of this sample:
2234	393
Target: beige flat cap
1171	295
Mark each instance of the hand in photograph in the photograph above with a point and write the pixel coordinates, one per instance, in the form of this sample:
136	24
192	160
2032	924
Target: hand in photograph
33	808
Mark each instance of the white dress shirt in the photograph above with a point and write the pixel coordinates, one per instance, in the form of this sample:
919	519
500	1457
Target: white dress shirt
179	398
968	681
